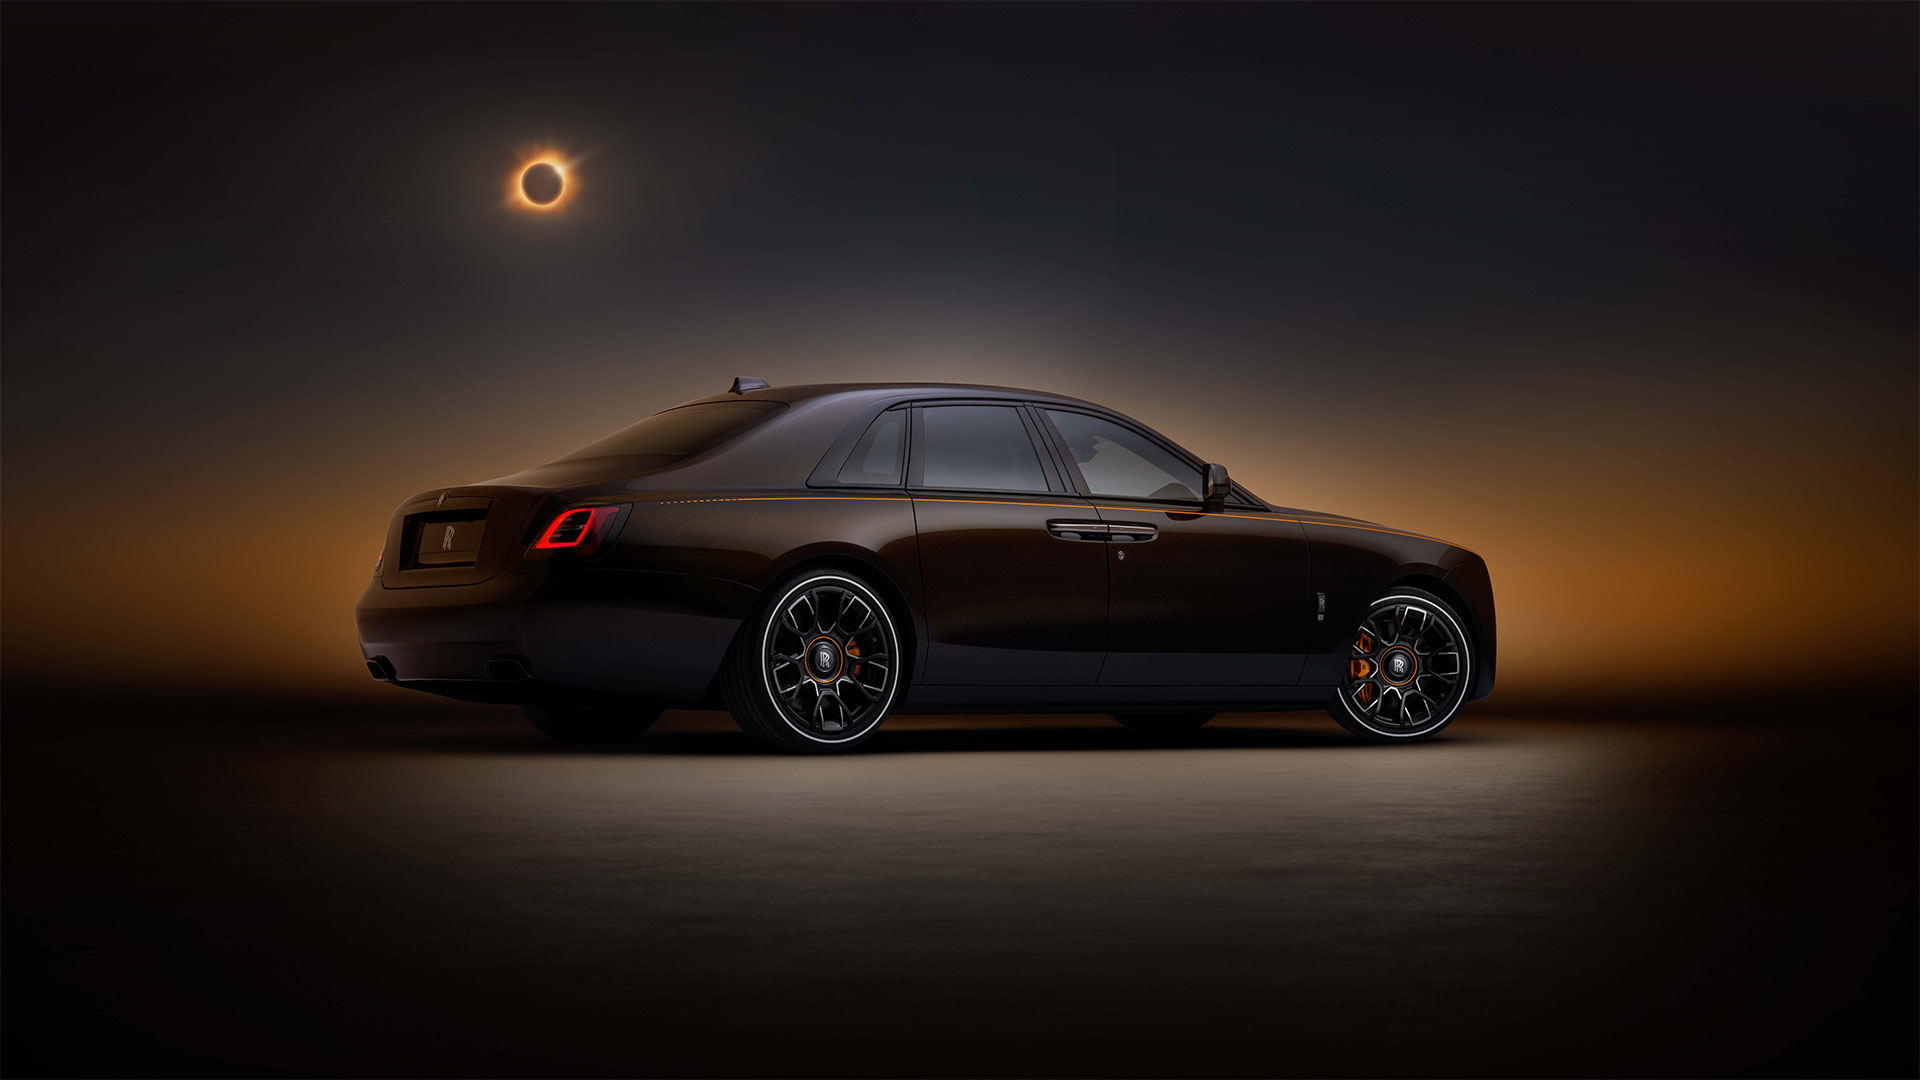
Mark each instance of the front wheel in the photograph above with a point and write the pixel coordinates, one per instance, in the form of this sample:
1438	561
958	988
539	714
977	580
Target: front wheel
1407	671
817	666
608	721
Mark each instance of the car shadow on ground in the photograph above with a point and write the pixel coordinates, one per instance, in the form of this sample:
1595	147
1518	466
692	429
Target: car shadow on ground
987	737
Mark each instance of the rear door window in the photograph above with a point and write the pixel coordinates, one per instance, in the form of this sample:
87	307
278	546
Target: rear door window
977	448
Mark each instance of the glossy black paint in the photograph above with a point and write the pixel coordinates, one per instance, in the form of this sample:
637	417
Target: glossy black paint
1214	599
1005	606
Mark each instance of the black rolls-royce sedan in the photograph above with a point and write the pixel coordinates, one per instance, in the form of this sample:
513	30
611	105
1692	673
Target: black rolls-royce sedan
814	558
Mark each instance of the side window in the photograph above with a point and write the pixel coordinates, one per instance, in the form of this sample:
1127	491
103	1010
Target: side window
1120	463
978	447
877	456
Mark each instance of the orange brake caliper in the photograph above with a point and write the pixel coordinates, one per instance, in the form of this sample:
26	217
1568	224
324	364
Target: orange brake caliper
1360	667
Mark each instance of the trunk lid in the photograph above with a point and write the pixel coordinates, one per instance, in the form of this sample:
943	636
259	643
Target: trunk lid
458	535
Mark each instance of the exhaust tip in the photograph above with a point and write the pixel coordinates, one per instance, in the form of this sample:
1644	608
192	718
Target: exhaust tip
380	668
507	668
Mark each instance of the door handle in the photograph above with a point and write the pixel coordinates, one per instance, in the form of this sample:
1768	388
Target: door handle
1129	533
1095	531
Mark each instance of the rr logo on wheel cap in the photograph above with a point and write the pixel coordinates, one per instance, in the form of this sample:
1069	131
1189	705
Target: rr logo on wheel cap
1399	665
823	657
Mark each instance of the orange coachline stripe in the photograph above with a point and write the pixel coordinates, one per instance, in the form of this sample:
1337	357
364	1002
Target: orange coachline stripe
1062	506
1007	502
1391	532
779	498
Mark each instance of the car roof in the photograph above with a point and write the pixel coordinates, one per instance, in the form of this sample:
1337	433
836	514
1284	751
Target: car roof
828	407
793	395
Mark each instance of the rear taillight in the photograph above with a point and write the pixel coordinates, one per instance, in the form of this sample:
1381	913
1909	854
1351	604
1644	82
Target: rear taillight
379	561
578	531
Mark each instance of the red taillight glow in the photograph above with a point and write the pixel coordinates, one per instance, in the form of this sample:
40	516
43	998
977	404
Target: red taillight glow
578	530
379	561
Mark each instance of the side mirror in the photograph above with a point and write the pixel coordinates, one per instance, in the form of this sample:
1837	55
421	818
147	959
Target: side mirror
1214	499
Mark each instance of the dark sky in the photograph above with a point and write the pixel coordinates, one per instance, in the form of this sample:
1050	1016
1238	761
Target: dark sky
1657	259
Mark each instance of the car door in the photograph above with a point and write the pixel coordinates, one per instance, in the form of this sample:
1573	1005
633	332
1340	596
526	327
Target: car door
1013	596
1194	598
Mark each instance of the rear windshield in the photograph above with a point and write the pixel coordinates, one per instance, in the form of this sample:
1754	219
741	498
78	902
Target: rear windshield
680	432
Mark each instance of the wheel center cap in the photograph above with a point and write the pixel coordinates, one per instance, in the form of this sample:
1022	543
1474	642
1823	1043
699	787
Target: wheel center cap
1398	666
823	658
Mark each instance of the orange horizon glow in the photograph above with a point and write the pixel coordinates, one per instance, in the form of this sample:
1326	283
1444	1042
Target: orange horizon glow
1635	551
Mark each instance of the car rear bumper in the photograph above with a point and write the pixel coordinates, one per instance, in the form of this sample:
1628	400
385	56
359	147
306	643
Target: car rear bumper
524	630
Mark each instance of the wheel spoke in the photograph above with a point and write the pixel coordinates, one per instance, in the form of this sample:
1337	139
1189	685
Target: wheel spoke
840	620
1411	698
1367	693
1399	703
797	700
869	692
832	717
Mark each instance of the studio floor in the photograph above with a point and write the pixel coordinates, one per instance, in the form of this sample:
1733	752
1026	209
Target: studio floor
427	889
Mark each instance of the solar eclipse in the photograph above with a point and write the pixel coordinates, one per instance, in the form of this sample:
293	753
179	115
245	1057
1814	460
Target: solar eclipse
543	180
542	183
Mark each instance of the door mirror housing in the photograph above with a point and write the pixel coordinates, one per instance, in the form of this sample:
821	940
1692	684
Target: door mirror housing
1218	487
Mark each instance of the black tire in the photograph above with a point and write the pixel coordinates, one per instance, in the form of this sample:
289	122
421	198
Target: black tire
1435	659
592	721
830	636
1166	723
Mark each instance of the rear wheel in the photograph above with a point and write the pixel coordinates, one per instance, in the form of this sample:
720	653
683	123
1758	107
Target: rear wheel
591	721
817	667
1407	671
1173	723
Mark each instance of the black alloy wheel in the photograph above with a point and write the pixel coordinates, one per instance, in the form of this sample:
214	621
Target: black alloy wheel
819	665
1408	670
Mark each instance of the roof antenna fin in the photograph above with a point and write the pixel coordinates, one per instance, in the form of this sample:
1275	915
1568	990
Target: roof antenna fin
744	383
